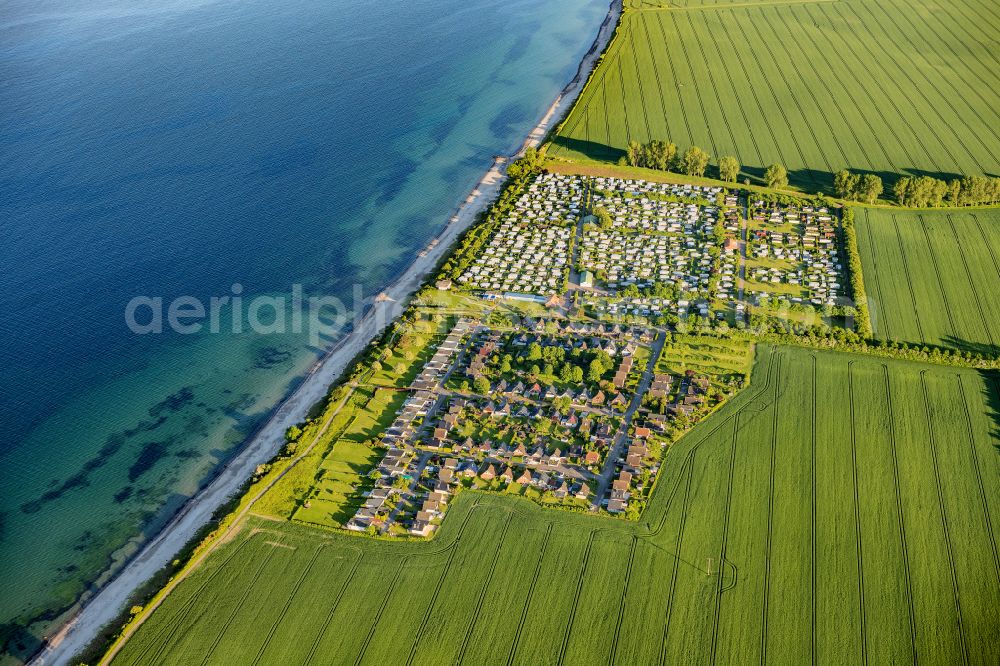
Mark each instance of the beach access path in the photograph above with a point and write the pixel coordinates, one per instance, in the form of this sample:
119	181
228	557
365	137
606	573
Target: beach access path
106	604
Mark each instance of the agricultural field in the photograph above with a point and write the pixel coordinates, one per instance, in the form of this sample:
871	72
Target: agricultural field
932	277
888	87
828	513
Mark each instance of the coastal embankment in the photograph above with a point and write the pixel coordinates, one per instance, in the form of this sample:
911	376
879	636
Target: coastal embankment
106	604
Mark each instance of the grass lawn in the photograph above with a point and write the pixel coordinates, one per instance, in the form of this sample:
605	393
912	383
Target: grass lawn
933	277
889	87
842	509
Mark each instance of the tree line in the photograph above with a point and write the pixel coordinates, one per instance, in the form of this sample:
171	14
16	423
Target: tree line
665	156
919	191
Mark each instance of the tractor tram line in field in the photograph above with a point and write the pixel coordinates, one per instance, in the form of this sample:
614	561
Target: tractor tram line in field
971	281
170	627
236	608
784	80
899	113
765	596
482	595
940	281
567	632
957	69
979	477
857	513
527	599
890	421
909	280
622	603
314	646
288	604
668	611
932	445
725	533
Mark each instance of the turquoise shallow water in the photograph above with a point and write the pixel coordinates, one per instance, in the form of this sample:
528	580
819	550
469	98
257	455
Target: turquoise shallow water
170	148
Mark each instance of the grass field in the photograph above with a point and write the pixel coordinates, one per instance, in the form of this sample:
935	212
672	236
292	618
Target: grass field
933	277
889	87
842	509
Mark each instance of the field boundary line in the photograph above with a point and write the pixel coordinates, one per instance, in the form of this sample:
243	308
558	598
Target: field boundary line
621	603
690	454
725	535
677	559
236	609
437	590
857	512
332	611
527	600
288	603
485	588
944	516
568	631
901	523
972	282
979	477
770	514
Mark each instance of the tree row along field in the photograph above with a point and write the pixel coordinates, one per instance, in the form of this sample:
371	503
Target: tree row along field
932	277
889	87
842	509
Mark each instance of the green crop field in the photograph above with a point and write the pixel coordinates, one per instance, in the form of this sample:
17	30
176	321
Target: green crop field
932	277
889	87
842	509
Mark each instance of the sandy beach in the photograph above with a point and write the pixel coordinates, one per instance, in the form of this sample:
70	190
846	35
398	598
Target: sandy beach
104	606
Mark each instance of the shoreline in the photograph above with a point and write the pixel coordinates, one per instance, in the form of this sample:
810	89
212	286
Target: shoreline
106	604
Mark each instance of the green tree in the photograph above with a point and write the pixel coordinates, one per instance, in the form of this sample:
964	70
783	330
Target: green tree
481	385
901	190
661	155
845	184
603	217
577	374
695	161
634	154
595	371
776	176
729	168
870	188
534	351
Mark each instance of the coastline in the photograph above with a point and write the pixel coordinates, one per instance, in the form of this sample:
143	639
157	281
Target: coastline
107	603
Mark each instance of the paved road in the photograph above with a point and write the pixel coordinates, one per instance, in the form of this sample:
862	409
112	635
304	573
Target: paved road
608	472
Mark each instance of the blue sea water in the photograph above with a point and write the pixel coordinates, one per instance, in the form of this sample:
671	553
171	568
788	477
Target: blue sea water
176	147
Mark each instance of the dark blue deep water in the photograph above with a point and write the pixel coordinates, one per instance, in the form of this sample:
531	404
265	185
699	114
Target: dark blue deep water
176	147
